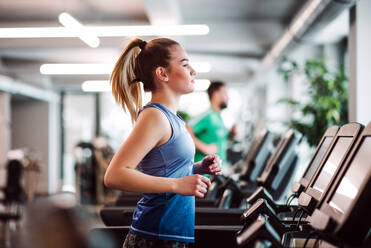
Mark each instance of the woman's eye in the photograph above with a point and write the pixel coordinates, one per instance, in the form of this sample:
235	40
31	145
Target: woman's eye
185	65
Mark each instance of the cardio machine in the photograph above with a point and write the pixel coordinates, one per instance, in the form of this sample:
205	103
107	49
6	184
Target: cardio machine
343	217
298	187
335	157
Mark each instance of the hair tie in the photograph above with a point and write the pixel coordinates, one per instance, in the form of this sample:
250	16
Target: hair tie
136	80
142	44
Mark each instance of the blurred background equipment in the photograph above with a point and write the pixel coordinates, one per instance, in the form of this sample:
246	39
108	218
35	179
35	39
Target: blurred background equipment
21	173
58	222
92	160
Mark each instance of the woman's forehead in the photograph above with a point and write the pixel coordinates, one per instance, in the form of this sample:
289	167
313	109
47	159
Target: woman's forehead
178	53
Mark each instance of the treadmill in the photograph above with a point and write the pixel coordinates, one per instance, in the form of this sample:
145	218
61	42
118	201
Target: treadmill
338	151
298	187
275	176
214	236
252	166
343	217
258	156
263	228
327	172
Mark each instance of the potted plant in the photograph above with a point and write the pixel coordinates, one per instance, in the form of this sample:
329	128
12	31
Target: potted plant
328	94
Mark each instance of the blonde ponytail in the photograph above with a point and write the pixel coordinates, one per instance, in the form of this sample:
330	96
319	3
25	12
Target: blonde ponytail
137	64
125	85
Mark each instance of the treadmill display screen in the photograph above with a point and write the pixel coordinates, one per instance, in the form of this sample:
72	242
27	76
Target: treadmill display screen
317	159
332	163
277	152
353	178
261	159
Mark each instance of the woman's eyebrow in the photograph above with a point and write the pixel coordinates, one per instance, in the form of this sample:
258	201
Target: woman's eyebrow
184	60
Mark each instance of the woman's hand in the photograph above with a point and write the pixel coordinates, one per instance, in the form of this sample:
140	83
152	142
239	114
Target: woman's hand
211	164
196	185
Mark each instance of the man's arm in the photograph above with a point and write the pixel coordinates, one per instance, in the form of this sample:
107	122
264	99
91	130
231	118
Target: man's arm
201	146
232	132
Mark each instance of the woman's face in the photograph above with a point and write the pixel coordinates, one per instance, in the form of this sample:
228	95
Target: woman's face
181	76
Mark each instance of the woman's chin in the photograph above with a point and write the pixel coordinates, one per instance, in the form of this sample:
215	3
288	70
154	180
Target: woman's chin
191	89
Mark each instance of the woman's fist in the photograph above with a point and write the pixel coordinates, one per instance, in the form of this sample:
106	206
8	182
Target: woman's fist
196	185
212	164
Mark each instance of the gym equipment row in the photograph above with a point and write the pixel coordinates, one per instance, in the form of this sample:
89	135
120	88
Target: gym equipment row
332	197
335	200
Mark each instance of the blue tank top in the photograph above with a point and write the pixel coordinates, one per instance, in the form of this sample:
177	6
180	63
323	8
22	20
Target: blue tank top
167	216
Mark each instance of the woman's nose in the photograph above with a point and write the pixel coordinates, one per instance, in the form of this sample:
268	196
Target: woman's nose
193	72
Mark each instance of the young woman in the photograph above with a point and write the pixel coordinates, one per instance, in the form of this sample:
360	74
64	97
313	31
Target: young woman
159	143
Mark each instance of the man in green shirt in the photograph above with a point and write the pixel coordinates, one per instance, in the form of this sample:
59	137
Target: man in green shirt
208	130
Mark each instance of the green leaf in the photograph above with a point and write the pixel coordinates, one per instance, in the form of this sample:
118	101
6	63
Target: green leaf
329	98
289	101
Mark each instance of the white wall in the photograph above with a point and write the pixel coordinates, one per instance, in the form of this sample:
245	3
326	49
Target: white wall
359	56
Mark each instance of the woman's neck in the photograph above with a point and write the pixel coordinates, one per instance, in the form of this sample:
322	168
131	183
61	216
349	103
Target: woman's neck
168	99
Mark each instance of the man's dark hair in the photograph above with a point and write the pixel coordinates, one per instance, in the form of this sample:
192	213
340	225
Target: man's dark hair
214	86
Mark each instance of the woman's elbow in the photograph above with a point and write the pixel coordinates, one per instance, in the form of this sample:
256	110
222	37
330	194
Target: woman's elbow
107	180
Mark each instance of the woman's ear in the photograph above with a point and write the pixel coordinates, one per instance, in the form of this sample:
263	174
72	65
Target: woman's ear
161	74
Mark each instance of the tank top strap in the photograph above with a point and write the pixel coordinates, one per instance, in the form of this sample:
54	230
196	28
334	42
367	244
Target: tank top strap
174	119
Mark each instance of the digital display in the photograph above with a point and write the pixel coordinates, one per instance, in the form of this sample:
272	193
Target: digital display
353	179
261	159
277	152
318	157
332	163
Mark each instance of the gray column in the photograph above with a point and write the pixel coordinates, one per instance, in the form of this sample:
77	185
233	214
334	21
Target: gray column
5	120
360	58
54	142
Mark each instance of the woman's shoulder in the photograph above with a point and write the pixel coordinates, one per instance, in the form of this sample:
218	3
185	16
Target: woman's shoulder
152	115
152	123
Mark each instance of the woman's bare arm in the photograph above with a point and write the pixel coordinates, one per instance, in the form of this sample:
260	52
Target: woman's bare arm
152	129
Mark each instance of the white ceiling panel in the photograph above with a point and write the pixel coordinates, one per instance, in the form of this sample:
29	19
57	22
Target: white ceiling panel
241	32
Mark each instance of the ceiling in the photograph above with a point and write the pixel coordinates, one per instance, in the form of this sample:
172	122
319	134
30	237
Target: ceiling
241	33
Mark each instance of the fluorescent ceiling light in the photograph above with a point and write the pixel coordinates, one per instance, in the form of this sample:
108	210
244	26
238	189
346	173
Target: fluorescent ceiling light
77	28
104	85
85	69
75	69
202	84
151	30
105	31
96	86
